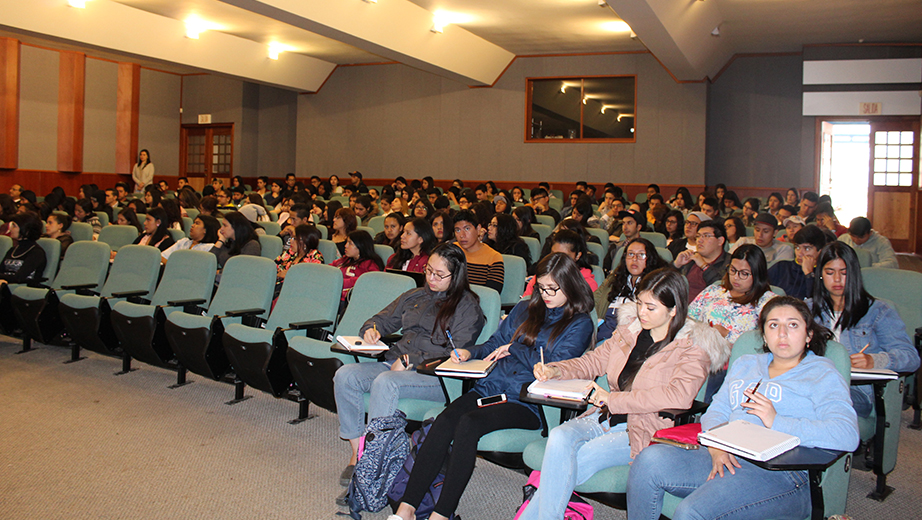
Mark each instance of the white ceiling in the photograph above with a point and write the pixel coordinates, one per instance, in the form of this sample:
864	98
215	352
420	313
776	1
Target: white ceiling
476	50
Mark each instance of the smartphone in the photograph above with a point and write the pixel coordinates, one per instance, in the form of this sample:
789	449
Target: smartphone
490	401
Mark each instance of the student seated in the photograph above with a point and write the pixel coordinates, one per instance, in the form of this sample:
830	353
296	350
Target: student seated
796	277
861	236
56	228
236	237
393	230
202	236
764	231
859	320
502	236
809	399
484	265
640	258
24	262
416	243
360	258
708	261
156	231
83	212
424	314
657	359
344	222
303	250
571	244
558	324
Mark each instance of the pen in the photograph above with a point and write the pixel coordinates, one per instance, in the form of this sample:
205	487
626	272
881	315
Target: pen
754	390
864	348
541	348
453	348
375	325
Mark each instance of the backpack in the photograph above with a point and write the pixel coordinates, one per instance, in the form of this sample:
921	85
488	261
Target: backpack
382	452
577	509
400	483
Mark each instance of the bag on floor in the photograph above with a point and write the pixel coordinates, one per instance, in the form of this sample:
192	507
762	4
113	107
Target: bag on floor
382	452
400	483
577	509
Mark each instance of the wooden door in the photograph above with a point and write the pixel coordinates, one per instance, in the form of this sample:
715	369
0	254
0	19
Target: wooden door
894	180
207	152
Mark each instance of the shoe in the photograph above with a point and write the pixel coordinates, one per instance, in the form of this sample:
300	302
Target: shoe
346	476
341	499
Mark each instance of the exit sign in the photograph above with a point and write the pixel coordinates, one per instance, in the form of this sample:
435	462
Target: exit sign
870	109
205	119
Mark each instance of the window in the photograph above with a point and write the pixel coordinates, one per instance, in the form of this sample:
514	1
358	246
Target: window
590	109
893	158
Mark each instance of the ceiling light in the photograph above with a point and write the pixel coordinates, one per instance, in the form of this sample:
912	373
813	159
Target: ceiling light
584	100
616	26
275	48
196	26
80	4
563	89
442	18
371	1
633	35
603	109
716	32
602	3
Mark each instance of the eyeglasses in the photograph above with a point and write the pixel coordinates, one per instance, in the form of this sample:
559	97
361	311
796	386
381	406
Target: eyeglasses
548	291
691	223
743	275
639	256
430	273
704	235
492	225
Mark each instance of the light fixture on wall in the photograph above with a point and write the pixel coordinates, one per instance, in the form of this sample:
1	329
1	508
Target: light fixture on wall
195	26
275	48
79	4
442	18
563	88
370	1
624	115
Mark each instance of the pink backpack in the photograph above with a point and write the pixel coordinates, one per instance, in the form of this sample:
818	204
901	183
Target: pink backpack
577	509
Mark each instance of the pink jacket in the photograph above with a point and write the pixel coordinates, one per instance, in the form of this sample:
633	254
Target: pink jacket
669	379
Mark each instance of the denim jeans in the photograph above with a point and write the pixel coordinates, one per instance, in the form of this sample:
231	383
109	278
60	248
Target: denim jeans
386	386
576	450
752	493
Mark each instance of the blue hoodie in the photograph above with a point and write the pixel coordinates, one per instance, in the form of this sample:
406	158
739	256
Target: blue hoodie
811	400
516	369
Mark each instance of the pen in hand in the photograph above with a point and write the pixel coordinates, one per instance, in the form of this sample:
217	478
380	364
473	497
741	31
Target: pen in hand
754	390
864	348
453	348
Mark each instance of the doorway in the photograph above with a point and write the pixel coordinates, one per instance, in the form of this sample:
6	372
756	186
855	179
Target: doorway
207	152
870	168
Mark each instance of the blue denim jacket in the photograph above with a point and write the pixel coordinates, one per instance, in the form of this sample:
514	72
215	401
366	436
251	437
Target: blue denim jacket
516	369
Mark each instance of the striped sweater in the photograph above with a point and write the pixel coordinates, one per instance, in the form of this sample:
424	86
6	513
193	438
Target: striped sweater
485	267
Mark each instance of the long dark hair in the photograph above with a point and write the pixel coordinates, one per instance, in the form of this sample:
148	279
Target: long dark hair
526	216
163	228
148	158
173	213
366	246
454	258
243	232
132	218
857	300
448	226
575	241
752	255
330	213
669	288
680	224
211	225
381	238
506	233
308	238
620	285
349	220
422	228
568	278
820	333
87	206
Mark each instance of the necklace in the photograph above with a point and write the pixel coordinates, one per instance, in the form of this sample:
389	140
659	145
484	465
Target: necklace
13	254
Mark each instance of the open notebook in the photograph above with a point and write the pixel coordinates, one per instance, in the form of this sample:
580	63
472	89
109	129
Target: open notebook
358	344
749	440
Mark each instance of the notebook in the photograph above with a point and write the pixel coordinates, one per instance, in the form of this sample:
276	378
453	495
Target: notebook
473	368
358	344
749	440
574	389
873	374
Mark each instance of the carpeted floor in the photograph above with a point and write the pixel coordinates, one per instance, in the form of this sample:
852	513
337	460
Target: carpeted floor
78	442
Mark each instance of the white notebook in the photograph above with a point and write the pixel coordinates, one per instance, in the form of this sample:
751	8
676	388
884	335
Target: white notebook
873	374
749	440
358	344
472	368
575	389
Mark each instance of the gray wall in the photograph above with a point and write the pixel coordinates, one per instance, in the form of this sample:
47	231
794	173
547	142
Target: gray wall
158	123
278	123
757	136
99	126
393	120
38	109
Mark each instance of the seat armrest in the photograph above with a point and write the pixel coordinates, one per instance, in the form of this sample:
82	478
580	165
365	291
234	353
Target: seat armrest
684	416
129	294
305	325
184	303
242	312
82	289
801	459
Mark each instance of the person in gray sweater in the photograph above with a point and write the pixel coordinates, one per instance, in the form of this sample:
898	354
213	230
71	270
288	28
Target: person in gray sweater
237	237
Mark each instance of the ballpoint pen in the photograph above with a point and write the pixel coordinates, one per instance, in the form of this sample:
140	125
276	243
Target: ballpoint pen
453	348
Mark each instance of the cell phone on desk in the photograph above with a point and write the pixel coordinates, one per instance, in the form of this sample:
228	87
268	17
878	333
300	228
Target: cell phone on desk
490	401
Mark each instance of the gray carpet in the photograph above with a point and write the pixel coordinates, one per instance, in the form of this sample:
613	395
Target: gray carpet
78	442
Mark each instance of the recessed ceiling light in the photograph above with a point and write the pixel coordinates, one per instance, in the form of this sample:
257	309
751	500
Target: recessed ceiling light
275	48
442	18
616	26
80	4
196	26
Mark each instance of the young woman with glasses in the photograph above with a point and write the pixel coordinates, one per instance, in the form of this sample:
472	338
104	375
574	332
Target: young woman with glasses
732	305
657	359
556	324
446	302
639	259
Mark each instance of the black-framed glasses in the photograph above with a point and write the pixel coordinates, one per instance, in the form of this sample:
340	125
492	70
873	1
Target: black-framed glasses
744	275
431	273
705	235
549	291
638	256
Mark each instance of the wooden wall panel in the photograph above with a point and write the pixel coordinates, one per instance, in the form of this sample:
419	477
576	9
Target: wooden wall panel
127	118
9	103
71	93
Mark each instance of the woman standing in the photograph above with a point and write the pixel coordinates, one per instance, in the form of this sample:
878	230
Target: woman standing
446	302
809	399
556	324
143	172
656	360
359	258
416	243
870	329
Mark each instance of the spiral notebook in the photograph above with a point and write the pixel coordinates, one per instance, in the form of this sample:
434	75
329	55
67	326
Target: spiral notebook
749	440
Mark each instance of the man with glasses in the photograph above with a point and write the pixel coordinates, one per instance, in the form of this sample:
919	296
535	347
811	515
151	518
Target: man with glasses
706	264
694	219
484	265
540	201
775	250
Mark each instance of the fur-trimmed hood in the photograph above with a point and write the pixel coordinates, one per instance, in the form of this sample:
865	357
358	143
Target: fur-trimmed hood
699	334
